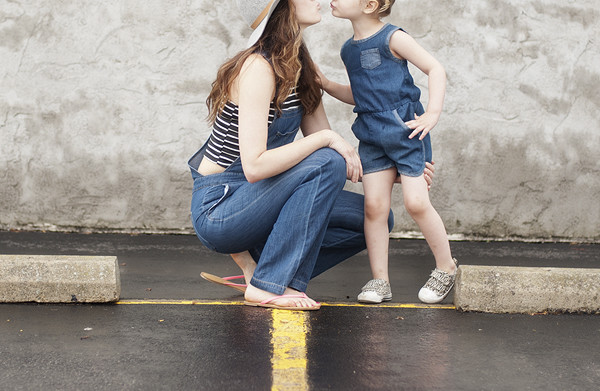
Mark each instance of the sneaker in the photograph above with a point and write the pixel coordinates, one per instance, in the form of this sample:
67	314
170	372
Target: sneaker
375	291
438	286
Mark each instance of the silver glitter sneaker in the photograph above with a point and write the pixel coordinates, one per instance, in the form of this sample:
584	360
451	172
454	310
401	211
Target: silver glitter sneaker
375	291
438	286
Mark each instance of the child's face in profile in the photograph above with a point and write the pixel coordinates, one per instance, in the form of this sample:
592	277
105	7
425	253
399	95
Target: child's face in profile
347	9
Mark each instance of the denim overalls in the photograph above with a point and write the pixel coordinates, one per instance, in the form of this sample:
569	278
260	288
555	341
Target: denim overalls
296	224
385	97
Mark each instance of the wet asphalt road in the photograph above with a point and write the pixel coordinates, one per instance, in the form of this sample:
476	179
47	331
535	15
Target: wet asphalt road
216	343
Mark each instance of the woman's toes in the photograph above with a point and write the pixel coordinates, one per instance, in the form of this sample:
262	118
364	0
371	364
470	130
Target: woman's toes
254	294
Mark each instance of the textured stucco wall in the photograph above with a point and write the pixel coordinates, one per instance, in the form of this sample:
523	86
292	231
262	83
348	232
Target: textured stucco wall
102	102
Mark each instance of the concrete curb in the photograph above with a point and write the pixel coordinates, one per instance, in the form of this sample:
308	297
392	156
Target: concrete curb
59	279
504	289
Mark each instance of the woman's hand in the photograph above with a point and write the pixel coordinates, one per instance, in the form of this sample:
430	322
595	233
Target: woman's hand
429	173
353	166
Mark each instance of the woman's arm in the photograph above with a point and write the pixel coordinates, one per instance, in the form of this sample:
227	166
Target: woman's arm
405	47
254	90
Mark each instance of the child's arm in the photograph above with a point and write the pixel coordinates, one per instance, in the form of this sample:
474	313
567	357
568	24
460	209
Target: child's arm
317	121
338	91
404	46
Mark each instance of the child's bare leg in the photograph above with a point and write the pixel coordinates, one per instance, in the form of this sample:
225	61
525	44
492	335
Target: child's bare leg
378	196
245	261
418	205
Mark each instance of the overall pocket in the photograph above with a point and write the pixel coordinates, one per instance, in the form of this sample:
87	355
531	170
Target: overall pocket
214	195
290	133
370	58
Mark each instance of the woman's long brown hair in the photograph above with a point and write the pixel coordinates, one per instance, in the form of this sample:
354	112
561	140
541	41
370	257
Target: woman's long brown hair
292	65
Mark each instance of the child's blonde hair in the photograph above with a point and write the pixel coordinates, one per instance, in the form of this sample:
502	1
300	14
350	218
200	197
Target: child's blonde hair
384	7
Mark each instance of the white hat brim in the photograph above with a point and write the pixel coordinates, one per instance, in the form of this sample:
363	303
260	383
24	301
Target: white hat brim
257	33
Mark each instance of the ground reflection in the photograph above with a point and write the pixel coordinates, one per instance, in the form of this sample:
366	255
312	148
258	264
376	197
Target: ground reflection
376	351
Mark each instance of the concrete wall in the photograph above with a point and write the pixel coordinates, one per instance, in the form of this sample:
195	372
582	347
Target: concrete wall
102	102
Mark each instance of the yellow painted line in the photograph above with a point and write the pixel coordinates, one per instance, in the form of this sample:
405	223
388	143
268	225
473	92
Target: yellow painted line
178	302
212	302
288	339
393	305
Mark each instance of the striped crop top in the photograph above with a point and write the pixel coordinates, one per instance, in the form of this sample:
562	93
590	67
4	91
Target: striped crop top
223	145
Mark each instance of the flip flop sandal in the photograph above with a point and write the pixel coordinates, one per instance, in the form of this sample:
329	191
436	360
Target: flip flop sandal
267	303
225	281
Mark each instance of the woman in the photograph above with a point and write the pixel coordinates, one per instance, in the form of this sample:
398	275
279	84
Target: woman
261	195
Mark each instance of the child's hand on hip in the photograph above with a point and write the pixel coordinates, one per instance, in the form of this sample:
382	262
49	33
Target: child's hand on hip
423	124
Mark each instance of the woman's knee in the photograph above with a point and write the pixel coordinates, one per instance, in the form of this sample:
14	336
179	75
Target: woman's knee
330	163
335	160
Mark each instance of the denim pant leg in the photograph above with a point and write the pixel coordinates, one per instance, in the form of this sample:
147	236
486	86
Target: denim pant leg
291	250
345	233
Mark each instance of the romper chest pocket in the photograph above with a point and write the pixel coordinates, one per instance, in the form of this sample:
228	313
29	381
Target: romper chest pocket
370	58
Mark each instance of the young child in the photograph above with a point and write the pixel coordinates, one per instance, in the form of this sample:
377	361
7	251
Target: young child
393	129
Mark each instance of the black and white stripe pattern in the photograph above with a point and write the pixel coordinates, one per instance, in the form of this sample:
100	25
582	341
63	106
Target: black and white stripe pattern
223	146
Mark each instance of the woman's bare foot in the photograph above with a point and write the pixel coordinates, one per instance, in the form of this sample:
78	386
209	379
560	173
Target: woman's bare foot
245	261
290	291
255	295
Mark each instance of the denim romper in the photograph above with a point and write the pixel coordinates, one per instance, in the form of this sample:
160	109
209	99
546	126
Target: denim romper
385	97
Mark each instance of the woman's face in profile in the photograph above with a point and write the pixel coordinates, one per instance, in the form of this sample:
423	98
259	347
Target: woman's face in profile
307	12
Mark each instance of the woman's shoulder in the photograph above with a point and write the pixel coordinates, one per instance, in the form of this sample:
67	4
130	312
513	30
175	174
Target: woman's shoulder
255	75
257	63
257	60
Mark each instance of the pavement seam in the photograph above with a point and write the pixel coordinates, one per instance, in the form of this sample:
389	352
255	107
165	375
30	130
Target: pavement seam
241	303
